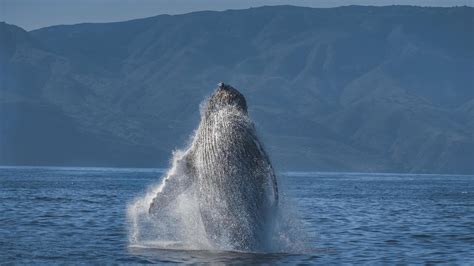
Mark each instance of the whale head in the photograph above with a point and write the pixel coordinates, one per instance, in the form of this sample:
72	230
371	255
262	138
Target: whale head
225	96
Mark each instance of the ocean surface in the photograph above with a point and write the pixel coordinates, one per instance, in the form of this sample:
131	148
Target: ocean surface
78	215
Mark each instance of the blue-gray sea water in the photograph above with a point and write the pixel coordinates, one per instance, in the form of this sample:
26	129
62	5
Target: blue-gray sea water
78	215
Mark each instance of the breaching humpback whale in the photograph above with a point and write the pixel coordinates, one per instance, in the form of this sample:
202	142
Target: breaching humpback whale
231	174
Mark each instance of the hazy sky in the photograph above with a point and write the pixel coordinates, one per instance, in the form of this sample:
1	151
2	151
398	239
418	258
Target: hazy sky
33	14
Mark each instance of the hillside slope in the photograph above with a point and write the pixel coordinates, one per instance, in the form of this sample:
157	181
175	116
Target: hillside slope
339	89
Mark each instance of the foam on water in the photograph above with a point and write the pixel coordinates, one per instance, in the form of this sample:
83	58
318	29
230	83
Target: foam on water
180	226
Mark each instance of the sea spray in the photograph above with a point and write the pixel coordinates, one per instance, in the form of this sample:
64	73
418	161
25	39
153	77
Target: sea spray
179	225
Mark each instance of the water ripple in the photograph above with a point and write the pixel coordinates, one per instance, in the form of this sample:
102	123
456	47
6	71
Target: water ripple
75	216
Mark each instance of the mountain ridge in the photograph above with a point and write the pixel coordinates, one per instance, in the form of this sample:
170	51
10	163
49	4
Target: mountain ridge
330	89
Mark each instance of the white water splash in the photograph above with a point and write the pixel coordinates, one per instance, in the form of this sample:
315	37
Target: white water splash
179	225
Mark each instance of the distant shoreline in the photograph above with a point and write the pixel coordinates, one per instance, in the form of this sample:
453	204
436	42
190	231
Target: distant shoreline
292	173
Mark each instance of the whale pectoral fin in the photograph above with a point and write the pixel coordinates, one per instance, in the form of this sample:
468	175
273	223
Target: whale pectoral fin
189	170
271	182
173	185
274	187
164	197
